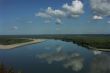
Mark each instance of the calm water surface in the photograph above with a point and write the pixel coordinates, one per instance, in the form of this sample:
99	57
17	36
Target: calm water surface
55	56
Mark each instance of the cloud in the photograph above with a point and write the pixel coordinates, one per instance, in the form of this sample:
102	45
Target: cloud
55	13
49	12
58	21
108	22
47	21
43	15
96	17
14	28
101	7
75	9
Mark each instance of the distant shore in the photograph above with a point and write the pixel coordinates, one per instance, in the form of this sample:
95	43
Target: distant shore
21	44
94	48
85	42
98	49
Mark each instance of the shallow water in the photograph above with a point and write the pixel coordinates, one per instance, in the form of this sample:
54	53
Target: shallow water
55	56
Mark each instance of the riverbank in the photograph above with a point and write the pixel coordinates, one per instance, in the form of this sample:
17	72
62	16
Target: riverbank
98	49
94	43
21	44
93	48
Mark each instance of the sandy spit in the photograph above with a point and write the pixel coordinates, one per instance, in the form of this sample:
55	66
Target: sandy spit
21	44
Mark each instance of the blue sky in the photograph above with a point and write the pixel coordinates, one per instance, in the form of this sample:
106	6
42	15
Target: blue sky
22	17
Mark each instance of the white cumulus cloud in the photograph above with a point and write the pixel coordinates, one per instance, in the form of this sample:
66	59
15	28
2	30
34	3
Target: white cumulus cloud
101	7
14	28
75	9
58	21
96	17
56	13
42	14
49	12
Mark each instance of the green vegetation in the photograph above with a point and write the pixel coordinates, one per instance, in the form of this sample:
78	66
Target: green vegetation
3	69
90	42
97	41
10	41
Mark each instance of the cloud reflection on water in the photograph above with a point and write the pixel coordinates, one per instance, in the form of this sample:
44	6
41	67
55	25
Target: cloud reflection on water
96	52
73	60
69	60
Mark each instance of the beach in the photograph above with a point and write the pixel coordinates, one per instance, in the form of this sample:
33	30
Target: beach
21	44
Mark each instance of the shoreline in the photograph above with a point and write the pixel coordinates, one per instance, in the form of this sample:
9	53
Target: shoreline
90	47
6	47
98	49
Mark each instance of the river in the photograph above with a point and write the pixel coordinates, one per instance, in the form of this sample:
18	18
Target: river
56	56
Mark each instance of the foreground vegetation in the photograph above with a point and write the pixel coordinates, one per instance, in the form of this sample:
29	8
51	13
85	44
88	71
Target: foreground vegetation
3	69
10	41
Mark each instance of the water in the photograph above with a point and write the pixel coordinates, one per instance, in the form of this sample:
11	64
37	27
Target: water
55	56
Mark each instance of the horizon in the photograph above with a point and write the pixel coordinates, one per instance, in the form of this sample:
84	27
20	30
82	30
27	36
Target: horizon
57	35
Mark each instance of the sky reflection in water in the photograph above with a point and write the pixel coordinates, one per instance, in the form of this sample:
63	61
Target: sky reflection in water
55	56
75	61
72	60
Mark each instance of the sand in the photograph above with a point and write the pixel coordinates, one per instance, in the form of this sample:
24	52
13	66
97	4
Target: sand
21	44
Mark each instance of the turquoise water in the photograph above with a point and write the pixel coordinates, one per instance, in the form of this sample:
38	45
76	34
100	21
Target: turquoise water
55	56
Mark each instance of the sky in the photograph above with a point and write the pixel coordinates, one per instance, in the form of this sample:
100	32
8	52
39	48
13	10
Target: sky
24	17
